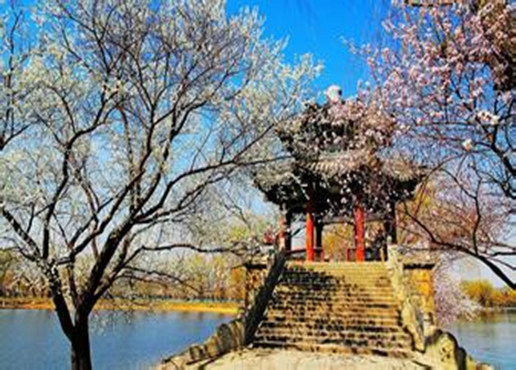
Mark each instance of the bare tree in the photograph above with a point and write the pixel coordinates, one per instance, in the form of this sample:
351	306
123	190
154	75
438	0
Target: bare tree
141	107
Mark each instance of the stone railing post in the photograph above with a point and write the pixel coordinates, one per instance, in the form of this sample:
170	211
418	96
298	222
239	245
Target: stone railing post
412	318
419	275
261	280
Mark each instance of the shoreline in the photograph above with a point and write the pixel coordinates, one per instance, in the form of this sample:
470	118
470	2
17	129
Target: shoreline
491	310
226	308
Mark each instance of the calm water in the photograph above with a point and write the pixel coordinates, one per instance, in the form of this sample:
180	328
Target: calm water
491	339
32	339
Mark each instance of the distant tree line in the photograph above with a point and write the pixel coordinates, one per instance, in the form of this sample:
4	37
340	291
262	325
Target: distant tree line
483	292
204	277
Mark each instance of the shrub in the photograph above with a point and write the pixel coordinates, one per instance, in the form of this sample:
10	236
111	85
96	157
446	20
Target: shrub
481	291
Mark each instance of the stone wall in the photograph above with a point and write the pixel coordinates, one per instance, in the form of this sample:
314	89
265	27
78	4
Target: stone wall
442	351
420	282
261	293
412	279
255	273
227	337
411	316
261	277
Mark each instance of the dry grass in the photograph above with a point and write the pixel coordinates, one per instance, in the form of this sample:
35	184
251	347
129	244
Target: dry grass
229	308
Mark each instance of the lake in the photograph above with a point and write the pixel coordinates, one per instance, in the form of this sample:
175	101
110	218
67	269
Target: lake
32	339
490	338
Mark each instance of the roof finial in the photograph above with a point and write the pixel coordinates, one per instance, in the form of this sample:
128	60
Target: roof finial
333	94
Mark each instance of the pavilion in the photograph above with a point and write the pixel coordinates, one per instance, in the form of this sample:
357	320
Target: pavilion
339	169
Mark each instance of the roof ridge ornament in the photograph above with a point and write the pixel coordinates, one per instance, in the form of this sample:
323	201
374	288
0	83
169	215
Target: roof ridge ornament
334	94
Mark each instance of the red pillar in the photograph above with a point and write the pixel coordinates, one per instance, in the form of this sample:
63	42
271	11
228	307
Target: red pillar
309	234
348	254
359	218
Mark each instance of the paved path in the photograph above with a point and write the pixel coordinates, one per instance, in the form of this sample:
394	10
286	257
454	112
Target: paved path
249	359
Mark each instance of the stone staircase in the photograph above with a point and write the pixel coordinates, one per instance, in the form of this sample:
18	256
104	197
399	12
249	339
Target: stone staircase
345	308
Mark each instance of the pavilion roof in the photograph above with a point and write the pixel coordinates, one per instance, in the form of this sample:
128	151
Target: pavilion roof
336	153
340	163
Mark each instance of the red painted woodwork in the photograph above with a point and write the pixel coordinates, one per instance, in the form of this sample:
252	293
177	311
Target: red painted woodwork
349	254
359	218
309	235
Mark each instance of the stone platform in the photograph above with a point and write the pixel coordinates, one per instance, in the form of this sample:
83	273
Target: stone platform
259	359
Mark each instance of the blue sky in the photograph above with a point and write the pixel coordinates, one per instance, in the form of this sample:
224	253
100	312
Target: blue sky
319	27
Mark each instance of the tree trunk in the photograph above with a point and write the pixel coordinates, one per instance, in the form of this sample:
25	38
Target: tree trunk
81	355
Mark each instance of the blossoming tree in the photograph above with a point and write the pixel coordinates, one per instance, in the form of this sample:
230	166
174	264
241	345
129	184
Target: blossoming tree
16	84
138	108
448	78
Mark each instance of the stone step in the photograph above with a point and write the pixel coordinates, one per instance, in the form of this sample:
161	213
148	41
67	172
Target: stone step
335	280
307	286
279	318
364	297
336	348
335	292
385	325
383	281
337	328
343	303
339	272
341	308
301	306
314	285
336	340
281	289
335	295
399	338
345	299
348	288
283	315
335	273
